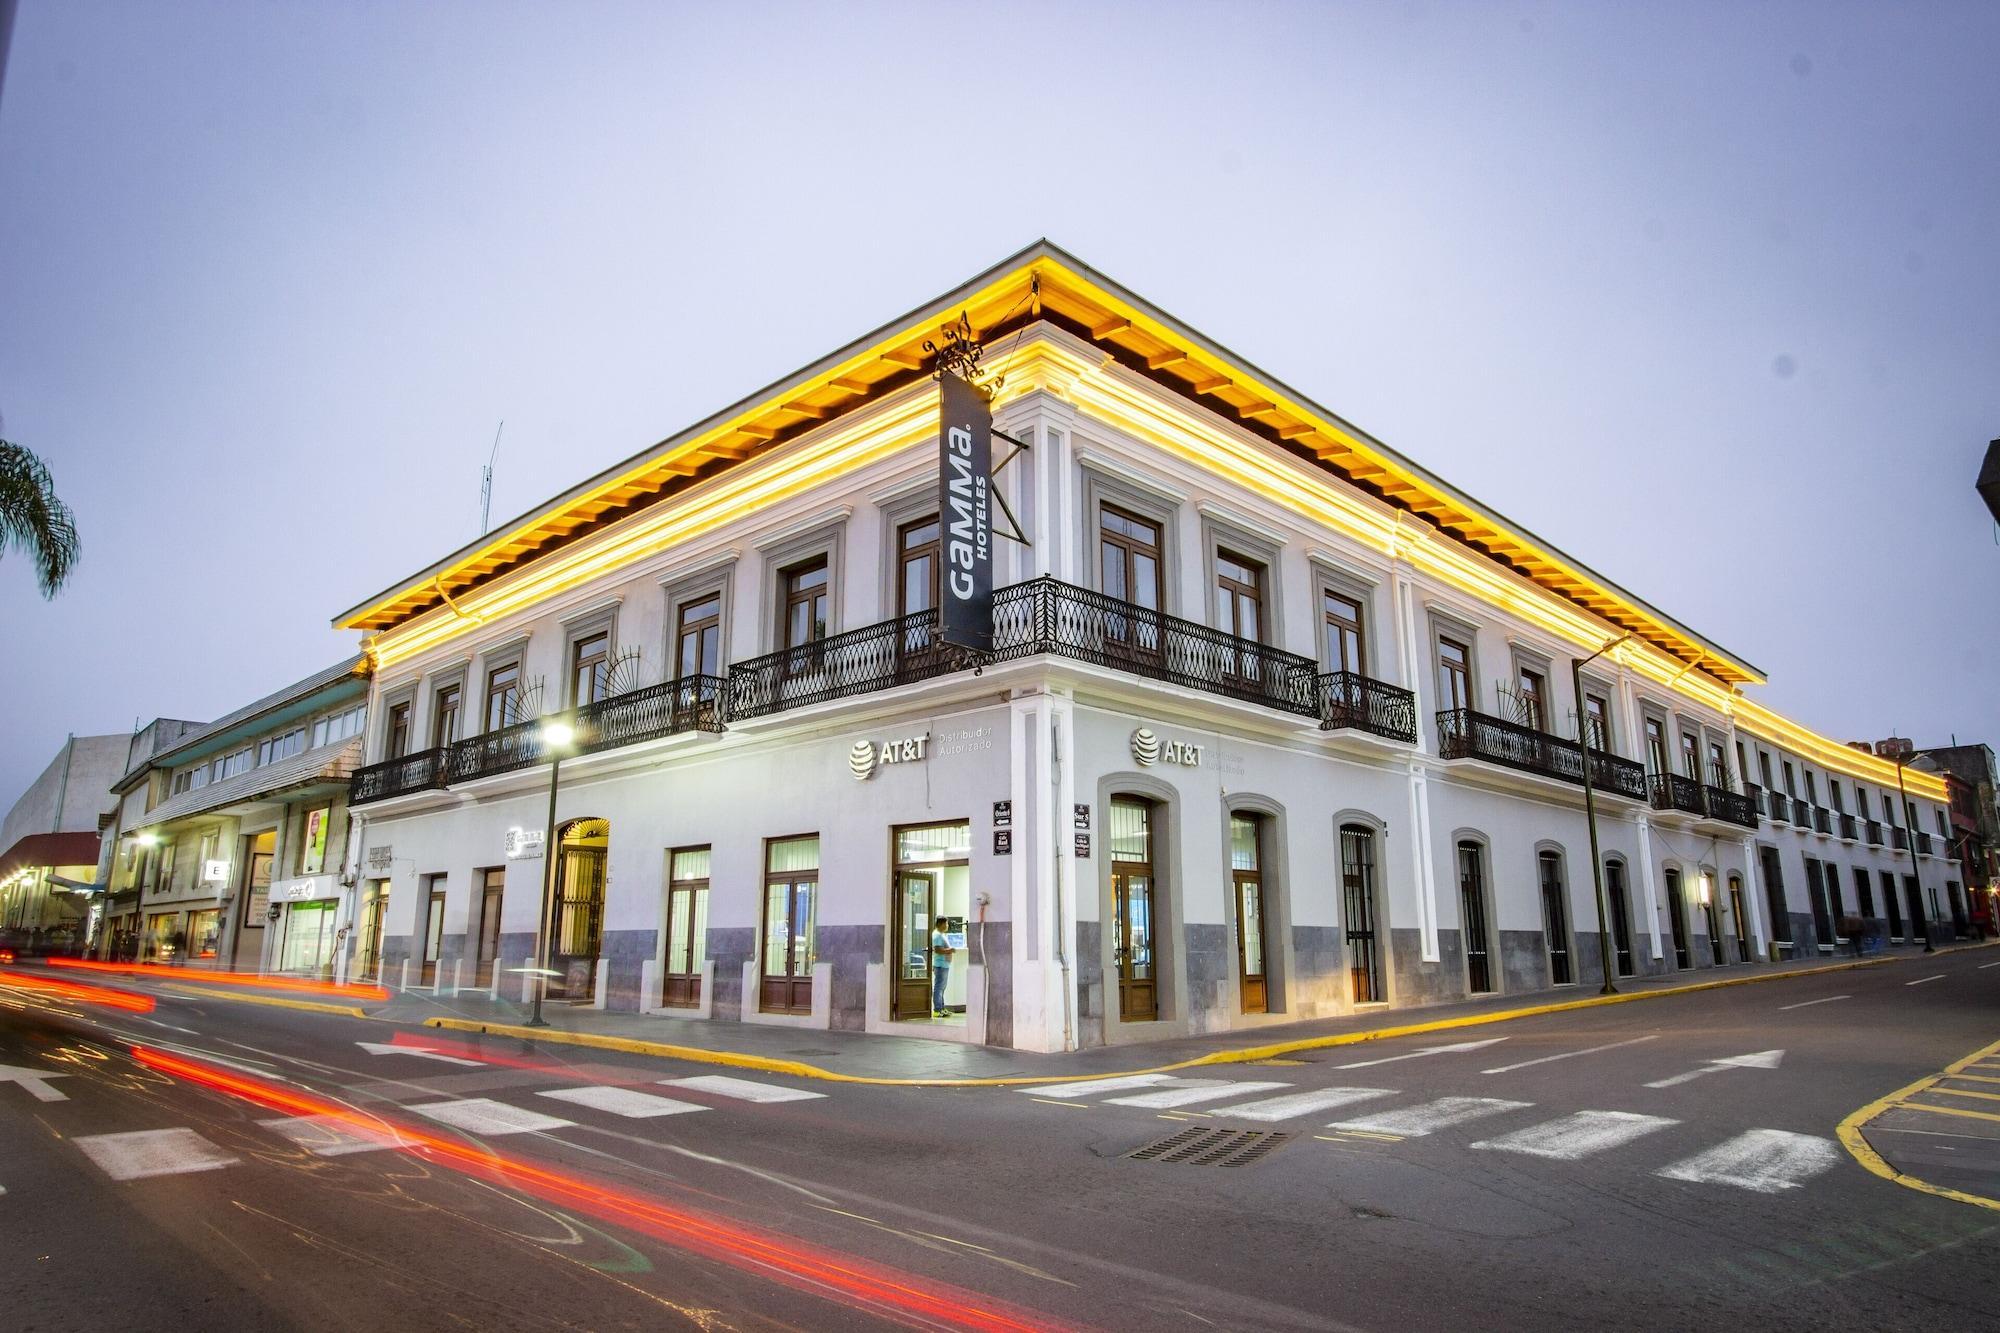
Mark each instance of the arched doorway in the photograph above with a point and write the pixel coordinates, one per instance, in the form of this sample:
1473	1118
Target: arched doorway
578	936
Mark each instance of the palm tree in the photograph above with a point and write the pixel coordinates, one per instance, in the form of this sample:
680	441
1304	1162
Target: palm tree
33	520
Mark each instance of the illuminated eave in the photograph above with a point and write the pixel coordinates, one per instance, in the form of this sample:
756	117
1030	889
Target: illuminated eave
1781	731
1040	283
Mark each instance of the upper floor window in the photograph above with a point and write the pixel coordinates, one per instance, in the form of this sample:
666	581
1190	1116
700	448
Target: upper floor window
398	742
339	726
444	716
1718	766
183	781
1239	594
1938	810
503	695
1690	755
917	567
1345	647
1597	721
1861	801
1656	745
1764	767
805	593
589	668
230	765
698	638
1812	789
1533	691
1128	551
274	748
1833	794
1454	664
1791	786
1742	767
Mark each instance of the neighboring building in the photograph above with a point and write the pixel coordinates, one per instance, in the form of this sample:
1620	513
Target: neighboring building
232	837
1275	723
1970	775
49	839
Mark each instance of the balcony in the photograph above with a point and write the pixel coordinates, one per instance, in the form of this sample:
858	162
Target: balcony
1349	699
1029	619
1900	838
692	703
502	751
1873	830
1847	826
422	771
1671	791
1465	734
1924	843
1822	819
1779	805
1731	807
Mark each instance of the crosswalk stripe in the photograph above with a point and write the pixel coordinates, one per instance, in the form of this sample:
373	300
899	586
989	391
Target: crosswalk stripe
328	1136
1414	1121
1301	1103
483	1115
1767	1161
1580	1135
137	1154
622	1101
1193	1090
742	1089
1085	1087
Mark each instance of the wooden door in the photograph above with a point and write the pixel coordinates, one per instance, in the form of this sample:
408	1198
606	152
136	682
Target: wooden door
789	922
1132	947
916	903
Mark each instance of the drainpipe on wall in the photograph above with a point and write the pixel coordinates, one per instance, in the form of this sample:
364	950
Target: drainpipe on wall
1062	932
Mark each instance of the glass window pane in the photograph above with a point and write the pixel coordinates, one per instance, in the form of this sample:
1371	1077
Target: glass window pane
777	929
691	863
943	842
804	902
1251	907
791	854
1242	842
1130	837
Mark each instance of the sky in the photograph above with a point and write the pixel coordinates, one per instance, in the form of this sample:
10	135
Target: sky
1708	295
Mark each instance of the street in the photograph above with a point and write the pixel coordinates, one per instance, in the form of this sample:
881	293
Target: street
1672	1160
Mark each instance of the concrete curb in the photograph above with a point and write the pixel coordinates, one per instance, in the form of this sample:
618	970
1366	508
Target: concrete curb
799	1069
1851	1138
311	1006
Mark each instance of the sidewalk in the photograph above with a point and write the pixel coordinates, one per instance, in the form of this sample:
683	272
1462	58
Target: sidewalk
871	1057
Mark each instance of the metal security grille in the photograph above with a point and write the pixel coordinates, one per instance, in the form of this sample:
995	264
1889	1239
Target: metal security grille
1211	1147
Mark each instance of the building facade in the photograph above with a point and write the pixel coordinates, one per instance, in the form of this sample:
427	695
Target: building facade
49	846
1974	784
1274	724
232	843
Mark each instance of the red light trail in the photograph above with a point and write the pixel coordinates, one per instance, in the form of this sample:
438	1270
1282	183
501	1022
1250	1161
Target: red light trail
81	992
206	977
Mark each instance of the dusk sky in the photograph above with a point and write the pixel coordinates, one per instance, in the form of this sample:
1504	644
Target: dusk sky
1708	295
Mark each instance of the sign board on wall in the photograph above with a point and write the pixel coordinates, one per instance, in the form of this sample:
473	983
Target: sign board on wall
214	872
525	844
381	858
1003	842
864	756
313	860
305	889
965	468
1149	749
1003	814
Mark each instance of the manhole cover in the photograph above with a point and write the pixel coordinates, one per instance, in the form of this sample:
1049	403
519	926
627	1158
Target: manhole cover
1211	1147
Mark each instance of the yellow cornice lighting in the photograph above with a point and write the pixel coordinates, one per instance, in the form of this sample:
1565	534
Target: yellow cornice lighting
1753	717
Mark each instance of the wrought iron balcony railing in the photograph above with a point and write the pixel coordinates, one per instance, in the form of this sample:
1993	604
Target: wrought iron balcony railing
1349	699
1731	807
1924	843
397	777
1465	734
1039	616
1847	826
692	703
501	751
1900	837
1822	819
1779	806
1671	791
1873	830
1755	794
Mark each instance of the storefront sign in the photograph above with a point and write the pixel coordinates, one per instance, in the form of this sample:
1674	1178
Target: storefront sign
864	757
313	860
1083	845
305	889
1080	817
1149	749
214	872
1003	814
1003	842
965	467
524	844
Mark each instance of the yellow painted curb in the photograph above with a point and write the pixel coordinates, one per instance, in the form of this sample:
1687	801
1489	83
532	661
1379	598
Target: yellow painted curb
799	1069
312	1006
1863	1152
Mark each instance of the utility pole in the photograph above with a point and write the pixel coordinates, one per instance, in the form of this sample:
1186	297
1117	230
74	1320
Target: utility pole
1604	957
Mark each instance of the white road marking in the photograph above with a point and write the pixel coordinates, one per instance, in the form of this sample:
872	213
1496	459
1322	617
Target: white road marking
622	1101
1767	1161
1085	1087
1755	1060
742	1089
425	1052
1921	980
1428	1050
329	1136
1578	1135
1984	966
482	1115
152	1152
1570	1055
1302	1103
1416	1121
34	1082
1191	1090
1807	1004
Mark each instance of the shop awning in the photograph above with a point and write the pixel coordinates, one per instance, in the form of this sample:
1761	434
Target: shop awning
50	849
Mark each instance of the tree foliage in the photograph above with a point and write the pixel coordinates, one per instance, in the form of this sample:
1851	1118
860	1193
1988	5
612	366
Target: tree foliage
33	520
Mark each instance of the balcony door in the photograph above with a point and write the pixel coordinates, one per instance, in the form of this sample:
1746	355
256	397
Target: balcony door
791	907
1677	917
918	563
1239	613
687	927
1357	879
1128	551
1247	888
1474	925
1132	910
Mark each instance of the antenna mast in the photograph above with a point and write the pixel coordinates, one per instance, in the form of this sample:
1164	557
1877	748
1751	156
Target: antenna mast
486	482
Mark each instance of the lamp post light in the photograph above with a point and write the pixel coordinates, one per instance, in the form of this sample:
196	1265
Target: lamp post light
1590	809
557	736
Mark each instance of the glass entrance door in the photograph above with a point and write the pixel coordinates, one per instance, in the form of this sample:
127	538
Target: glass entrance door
492	888
579	908
433	930
1737	918
687	927
1472	910
1132	942
916	906
1250	940
791	897
308	945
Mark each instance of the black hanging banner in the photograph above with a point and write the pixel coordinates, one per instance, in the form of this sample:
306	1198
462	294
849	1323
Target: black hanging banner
965	465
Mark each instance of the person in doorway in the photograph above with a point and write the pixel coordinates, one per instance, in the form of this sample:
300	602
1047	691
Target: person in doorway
178	942
941	952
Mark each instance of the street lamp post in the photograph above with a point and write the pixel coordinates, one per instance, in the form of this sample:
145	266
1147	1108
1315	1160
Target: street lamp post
556	737
1590	808
1910	846
148	841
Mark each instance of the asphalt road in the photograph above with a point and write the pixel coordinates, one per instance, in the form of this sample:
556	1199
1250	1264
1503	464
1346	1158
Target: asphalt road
1663	1164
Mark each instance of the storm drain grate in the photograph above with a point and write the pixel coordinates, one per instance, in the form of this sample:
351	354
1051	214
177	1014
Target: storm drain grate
1211	1147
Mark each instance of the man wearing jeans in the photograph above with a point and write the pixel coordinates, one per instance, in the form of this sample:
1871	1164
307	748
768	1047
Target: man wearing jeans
941	952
